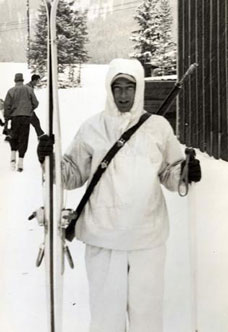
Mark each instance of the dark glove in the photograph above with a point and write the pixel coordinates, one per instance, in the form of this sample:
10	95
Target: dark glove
194	169
5	131
45	147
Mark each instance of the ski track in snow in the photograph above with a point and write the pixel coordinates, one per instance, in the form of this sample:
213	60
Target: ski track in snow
203	214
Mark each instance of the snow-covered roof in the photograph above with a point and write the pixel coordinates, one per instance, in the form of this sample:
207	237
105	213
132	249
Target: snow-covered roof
161	78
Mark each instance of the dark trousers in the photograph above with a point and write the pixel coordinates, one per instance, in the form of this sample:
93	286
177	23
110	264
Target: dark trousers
35	122
20	134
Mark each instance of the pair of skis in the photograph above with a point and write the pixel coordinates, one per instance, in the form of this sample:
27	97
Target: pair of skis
53	235
54	248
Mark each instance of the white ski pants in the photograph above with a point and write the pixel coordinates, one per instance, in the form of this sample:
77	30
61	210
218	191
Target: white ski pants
126	284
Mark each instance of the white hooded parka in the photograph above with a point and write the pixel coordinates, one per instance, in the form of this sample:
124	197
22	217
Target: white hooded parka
127	209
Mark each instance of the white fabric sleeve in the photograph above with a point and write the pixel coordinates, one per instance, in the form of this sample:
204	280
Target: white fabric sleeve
76	163
171	168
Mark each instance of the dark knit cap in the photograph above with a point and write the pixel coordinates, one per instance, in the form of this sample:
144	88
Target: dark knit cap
18	77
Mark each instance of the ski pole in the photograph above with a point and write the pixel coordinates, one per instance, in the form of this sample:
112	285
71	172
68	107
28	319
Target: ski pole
193	258
175	91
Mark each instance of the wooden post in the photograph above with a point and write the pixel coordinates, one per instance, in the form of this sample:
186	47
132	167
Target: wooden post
186	88
200	33
223	74
214	104
193	58
206	73
180	103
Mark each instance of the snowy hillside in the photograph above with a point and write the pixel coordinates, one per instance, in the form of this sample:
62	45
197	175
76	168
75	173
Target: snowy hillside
199	222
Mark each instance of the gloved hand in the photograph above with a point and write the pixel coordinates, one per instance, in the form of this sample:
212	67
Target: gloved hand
194	169
5	129
45	147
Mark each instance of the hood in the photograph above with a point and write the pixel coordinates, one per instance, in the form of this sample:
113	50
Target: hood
131	67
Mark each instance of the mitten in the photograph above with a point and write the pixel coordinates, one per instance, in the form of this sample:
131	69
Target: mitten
194	169
45	147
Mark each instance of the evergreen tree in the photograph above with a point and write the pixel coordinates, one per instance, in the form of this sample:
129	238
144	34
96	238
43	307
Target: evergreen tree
146	37
165	55
71	30
37	53
153	40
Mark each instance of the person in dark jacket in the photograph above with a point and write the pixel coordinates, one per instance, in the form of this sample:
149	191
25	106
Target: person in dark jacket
19	105
35	122
4	123
1	112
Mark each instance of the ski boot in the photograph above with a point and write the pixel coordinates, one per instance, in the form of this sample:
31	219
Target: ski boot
13	160
20	165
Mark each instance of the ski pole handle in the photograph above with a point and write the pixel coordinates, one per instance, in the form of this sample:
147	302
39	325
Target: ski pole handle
32	216
183	185
190	70
70	231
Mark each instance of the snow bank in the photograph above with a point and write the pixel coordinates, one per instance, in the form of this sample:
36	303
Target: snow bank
7	72
199	220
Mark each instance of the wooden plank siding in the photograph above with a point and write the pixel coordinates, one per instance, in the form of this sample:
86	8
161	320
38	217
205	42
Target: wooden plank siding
223	72
186	88
207	78
193	58
180	68
200	76
214	82
202	105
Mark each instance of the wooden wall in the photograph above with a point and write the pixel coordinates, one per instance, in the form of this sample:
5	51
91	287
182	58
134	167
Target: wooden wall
203	102
155	94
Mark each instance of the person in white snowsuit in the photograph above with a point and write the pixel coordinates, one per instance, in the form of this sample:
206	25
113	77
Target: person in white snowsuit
125	223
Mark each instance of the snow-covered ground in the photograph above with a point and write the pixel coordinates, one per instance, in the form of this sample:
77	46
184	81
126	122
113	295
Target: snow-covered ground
198	222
